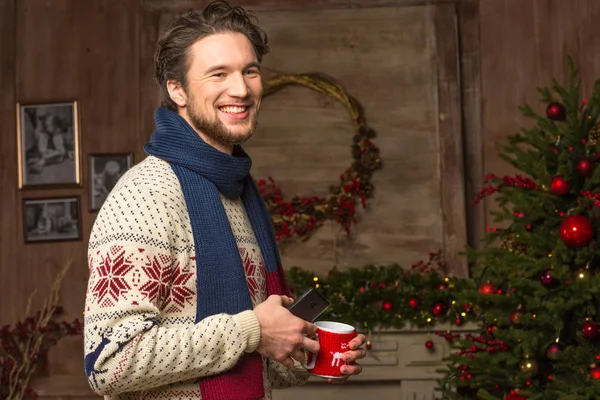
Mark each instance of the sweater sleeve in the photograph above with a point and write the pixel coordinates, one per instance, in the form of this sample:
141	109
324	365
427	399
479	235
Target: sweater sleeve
135	279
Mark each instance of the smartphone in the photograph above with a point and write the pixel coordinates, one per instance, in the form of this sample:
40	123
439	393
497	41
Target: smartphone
309	305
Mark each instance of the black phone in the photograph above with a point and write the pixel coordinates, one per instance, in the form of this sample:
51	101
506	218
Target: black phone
309	305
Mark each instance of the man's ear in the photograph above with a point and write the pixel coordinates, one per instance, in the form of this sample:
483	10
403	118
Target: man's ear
177	93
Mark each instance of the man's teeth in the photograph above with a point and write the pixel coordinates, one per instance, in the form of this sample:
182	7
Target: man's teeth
233	109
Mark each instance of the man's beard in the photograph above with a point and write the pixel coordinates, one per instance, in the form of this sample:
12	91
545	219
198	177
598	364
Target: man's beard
217	131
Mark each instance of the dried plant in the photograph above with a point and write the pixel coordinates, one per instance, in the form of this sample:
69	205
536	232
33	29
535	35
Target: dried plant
25	344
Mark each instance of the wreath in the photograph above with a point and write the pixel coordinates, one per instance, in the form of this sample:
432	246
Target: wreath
302	216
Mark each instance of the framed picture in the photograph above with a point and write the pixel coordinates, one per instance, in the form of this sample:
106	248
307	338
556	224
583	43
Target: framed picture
106	169
51	219
48	144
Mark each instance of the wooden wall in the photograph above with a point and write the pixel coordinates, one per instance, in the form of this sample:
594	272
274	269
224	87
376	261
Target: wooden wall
408	61
62	50
525	44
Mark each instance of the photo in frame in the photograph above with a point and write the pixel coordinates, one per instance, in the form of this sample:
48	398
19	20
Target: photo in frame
51	219
48	144
106	170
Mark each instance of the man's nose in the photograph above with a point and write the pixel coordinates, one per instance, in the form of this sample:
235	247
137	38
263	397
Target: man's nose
238	86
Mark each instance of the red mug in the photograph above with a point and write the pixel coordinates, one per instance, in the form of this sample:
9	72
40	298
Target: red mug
333	338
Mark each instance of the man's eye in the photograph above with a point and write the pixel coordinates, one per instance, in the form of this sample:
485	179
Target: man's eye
219	75
251	72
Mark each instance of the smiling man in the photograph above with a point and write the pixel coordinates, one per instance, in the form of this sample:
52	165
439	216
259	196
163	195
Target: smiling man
186	297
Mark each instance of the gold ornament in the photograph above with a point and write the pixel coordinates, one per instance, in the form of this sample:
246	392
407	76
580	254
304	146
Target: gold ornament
529	367
594	135
514	246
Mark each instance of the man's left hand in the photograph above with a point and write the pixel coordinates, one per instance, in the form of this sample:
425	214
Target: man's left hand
355	353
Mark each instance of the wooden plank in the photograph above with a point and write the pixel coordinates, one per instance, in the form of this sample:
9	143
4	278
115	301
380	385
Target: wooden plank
451	139
9	204
508	71
470	68
149	94
69	49
179	6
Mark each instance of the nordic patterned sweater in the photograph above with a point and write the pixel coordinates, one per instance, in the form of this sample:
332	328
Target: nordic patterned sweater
140	338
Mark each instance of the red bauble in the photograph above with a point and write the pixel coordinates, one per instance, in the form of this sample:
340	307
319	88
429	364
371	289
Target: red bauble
553	351
559	185
595	372
414	304
576	230
429	344
548	279
590	330
487	288
515	316
439	310
584	166
387	306
556	112
448	336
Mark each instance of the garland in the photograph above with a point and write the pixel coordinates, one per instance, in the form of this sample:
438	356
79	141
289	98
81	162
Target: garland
388	296
301	216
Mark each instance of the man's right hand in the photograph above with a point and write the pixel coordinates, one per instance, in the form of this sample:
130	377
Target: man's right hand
282	334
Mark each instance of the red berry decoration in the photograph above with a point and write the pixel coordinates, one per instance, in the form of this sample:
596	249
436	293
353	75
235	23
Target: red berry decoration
429	344
487	288
387	306
584	166
414	304
439	310
548	279
594	371
556	112
590	330
576	230
560	185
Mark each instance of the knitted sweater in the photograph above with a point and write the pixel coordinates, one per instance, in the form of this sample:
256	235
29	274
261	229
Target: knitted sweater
140	338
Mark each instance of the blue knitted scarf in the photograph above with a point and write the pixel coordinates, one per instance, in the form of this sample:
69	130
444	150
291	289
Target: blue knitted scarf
203	172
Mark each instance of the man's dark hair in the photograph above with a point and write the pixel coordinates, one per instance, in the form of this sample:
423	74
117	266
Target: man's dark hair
172	55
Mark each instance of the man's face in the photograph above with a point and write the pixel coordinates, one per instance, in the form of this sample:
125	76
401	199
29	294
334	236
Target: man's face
224	89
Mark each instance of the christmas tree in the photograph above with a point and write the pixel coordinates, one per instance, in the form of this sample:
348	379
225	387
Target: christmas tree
536	286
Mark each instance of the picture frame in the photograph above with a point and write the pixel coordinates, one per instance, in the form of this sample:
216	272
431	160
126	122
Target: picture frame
105	170
48	140
51	219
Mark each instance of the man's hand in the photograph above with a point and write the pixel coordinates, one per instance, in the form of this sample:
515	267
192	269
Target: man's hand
356	352
282	334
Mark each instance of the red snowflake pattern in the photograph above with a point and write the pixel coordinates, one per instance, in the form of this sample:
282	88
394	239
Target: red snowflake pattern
158	272
110	281
255	276
181	290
